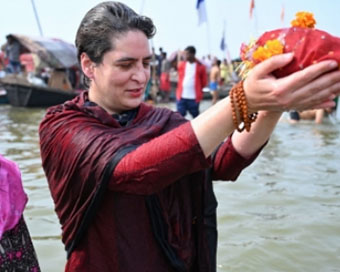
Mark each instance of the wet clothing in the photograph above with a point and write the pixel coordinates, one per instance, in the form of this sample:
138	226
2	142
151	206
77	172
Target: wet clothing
158	210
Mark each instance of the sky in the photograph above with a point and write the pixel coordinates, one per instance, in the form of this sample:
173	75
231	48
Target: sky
176	20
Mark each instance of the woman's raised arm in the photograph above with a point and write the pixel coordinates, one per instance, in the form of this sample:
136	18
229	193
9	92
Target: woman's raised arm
312	87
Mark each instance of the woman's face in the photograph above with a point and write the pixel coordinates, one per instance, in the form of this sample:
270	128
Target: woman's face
118	82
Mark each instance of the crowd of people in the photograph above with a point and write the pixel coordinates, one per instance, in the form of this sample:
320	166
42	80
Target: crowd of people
166	76
166	81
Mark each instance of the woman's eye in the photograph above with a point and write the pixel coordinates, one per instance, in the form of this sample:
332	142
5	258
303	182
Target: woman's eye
125	65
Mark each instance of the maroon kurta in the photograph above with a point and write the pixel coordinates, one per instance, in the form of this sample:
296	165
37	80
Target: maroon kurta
158	204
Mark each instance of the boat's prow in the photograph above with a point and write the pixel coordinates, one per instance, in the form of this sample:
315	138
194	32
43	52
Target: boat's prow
21	93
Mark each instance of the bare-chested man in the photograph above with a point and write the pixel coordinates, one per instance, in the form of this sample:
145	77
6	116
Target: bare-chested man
214	78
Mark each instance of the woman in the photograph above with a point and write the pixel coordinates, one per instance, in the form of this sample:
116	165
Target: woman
132	184
16	248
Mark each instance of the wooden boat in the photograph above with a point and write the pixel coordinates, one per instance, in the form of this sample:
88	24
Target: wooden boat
3	96
28	89
21	94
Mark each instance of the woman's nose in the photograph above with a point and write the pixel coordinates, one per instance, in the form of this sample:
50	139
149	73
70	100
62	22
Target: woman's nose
140	74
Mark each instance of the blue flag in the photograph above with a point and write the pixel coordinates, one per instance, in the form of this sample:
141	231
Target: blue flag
202	12
222	45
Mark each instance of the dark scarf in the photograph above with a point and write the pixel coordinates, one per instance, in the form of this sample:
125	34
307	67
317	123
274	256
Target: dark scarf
95	137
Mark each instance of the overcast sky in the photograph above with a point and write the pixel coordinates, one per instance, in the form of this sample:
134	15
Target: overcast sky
176	20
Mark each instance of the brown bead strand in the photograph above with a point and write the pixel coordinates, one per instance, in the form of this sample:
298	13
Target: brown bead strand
239	102
233	107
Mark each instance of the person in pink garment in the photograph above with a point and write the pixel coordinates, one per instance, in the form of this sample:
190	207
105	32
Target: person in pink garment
17	251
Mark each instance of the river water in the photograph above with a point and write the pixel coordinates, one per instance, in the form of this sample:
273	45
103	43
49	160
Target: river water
282	214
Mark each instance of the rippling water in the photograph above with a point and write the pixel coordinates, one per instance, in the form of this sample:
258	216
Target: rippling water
283	213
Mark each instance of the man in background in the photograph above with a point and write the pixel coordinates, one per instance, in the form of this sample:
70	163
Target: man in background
192	78
12	51
214	79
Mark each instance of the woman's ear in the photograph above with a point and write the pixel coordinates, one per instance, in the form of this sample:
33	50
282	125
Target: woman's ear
87	65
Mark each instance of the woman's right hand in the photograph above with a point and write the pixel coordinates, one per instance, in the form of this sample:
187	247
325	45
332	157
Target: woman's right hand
313	87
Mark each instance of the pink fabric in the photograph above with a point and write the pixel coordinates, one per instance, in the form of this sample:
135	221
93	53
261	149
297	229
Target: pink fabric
12	196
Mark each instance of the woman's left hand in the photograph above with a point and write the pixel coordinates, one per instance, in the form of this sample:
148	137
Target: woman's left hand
313	87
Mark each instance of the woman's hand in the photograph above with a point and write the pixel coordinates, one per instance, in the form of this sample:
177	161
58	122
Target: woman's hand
313	87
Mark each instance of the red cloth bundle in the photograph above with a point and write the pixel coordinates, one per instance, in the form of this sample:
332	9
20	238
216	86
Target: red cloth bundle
308	44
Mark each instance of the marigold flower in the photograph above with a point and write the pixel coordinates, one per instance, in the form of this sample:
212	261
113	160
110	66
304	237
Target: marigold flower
274	46
271	48
304	19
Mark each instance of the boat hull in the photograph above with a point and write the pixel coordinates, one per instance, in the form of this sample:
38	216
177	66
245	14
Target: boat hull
35	96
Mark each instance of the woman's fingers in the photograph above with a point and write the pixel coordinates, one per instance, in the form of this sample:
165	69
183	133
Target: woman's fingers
325	105
268	66
326	91
302	78
305	89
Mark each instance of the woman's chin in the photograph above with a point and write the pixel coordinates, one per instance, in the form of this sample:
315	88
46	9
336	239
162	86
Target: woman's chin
133	103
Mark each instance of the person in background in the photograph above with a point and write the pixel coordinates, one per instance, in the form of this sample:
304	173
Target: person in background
192	78
132	183
165	84
208	62
2	61
160	58
12	51
214	79
16	249
316	115
2	64
224	76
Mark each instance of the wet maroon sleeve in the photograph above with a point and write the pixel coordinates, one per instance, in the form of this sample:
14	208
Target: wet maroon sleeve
228	163
160	162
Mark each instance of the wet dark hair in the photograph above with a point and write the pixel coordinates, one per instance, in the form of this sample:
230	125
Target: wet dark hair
104	22
191	50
